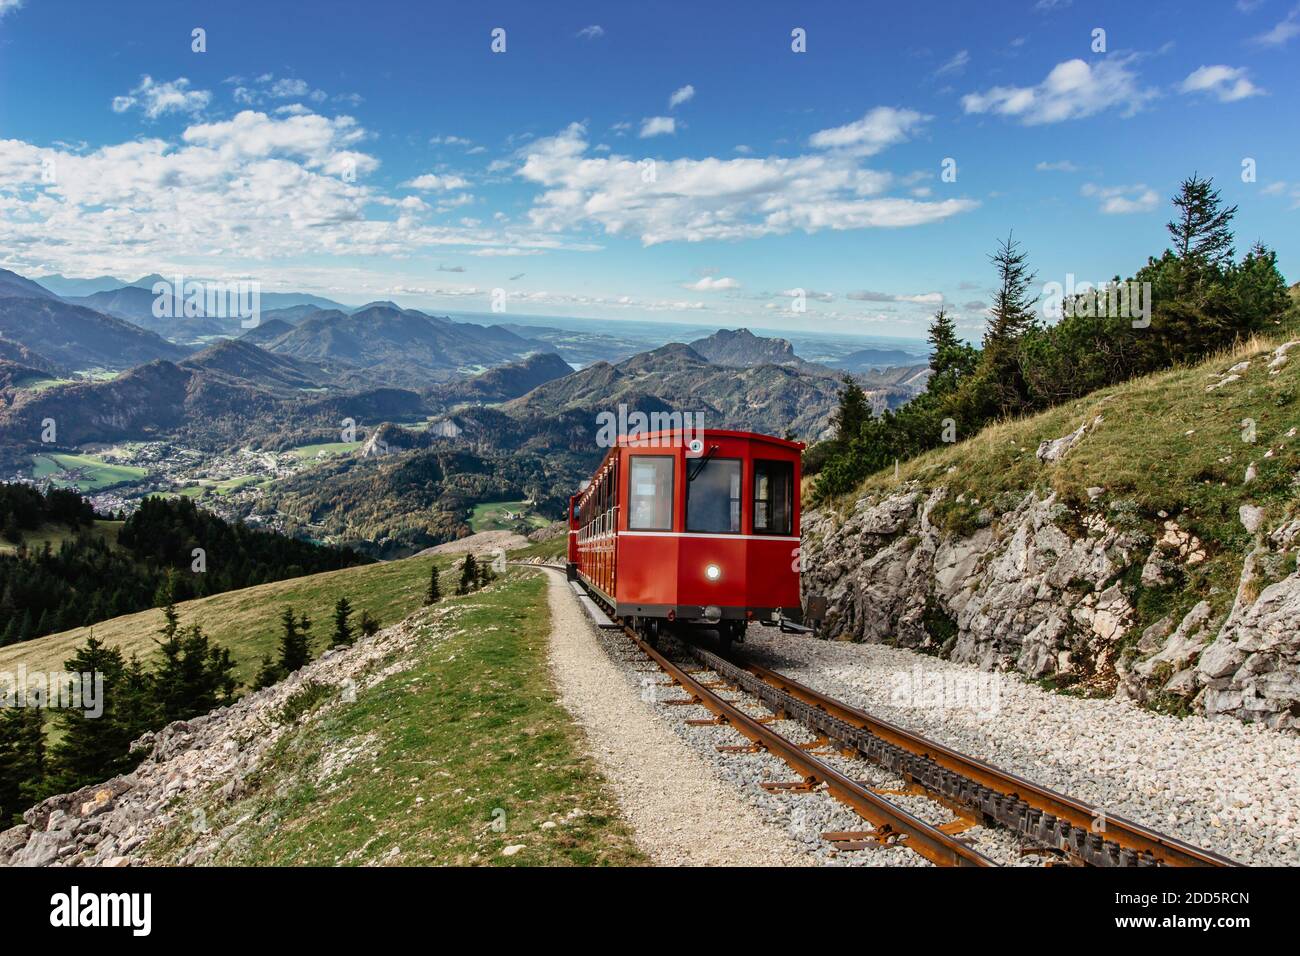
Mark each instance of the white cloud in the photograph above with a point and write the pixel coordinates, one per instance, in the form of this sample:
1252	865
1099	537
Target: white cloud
681	95
593	32
1225	83
1072	90
1122	200
1284	32
710	284
431	182
1061	166
924	298
701	199
7	5
879	128
254	194
657	126
157	99
956	65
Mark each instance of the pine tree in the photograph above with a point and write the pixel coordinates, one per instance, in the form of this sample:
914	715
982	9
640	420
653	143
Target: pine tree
853	413
344	633
22	761
368	623
951	359
1201	233
295	644
468	575
268	673
1012	315
434	594
92	747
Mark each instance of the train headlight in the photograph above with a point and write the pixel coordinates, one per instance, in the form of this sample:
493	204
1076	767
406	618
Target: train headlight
713	572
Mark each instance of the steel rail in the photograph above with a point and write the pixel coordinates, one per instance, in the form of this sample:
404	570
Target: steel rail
930	842
1051	818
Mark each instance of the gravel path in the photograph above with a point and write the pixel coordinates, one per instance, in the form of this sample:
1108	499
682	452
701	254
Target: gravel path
681	813
1227	786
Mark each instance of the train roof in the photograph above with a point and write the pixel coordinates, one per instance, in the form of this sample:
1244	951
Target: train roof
651	438
625	441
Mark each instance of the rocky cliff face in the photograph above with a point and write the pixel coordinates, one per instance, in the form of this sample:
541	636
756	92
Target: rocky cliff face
1051	591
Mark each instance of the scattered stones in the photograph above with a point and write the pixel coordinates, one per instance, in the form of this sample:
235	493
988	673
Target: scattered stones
1055	449
190	764
1252	517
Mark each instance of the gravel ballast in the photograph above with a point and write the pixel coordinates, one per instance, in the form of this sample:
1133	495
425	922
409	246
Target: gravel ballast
1226	786
680	812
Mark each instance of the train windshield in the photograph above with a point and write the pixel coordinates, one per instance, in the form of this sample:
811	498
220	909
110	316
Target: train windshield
713	497
650	493
773	494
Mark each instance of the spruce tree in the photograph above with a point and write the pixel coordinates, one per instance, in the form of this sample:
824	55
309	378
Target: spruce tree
853	413
268	673
22	761
468	575
344	633
368	623
92	747
434	594
295	644
1012	315
950	358
1201	233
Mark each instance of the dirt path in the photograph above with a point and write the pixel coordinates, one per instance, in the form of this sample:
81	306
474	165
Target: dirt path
681	813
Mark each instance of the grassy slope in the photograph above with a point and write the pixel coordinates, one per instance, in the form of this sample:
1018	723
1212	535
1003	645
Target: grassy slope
56	534
1165	444
246	621
468	736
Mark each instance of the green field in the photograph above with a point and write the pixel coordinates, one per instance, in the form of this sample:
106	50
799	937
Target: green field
223	487
330	449
490	516
95	473
246	621
459	753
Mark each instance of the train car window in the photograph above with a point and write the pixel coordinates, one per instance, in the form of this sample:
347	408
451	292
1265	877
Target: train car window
773	494
650	493
713	497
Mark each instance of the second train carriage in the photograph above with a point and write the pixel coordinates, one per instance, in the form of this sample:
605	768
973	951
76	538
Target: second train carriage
694	528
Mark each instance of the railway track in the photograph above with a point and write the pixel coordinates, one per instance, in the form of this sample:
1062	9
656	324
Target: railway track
1068	829
1076	831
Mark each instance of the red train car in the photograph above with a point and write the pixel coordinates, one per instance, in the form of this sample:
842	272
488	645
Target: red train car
692	528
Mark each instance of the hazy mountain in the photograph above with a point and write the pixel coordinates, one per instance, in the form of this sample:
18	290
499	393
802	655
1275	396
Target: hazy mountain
743	348
64	286
764	398
14	286
397	346
865	360
242	361
505	381
135	304
268	329
17	354
77	337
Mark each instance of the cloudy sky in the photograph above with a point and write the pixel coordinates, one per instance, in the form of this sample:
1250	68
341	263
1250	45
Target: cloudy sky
637	161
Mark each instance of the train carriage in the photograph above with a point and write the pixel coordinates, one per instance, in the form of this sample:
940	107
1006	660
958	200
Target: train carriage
694	528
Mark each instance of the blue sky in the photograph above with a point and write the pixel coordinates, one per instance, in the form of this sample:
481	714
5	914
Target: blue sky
665	161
